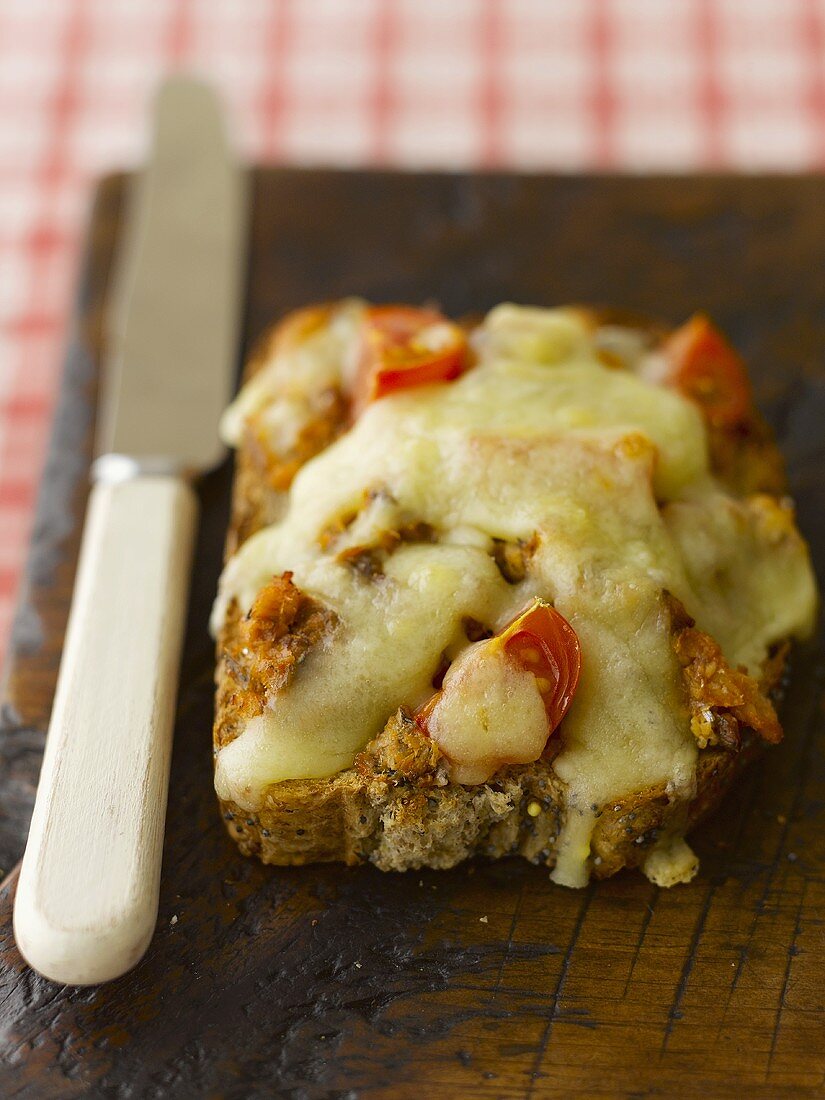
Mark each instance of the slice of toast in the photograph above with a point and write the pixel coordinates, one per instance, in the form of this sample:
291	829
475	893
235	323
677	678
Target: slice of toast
397	805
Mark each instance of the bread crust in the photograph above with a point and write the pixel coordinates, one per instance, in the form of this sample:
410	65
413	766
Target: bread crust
395	807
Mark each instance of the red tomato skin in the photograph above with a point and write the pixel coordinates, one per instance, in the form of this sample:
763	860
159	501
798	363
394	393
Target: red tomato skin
541	628
390	359
706	368
541	640
445	367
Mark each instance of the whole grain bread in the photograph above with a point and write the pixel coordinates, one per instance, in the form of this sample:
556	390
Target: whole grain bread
396	806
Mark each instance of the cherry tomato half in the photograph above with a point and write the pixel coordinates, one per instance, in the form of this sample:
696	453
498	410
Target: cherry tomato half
543	641
704	367
403	346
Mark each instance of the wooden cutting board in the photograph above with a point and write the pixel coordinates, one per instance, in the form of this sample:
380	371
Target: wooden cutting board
487	981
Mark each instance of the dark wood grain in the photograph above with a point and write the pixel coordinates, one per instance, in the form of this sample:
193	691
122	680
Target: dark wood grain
488	981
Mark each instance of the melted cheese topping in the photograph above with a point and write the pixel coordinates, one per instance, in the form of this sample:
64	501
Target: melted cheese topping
490	713
607	473
282	393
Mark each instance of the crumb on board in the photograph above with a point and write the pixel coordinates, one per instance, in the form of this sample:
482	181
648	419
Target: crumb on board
483	920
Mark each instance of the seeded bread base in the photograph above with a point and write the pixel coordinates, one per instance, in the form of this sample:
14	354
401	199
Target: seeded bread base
402	824
401	820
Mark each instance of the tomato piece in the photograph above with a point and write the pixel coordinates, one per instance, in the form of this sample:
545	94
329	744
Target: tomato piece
707	369
542	641
403	346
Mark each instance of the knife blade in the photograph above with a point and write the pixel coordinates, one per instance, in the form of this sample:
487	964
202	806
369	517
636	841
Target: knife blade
174	321
87	893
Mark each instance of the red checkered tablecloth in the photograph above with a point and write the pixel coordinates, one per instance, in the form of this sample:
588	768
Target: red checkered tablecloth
553	84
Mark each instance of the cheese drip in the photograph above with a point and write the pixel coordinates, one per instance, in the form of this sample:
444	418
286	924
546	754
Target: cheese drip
608	475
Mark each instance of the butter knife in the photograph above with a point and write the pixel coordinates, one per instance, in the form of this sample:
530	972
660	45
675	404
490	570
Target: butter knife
87	894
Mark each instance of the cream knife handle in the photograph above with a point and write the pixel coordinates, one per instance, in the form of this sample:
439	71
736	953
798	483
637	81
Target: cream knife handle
87	895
